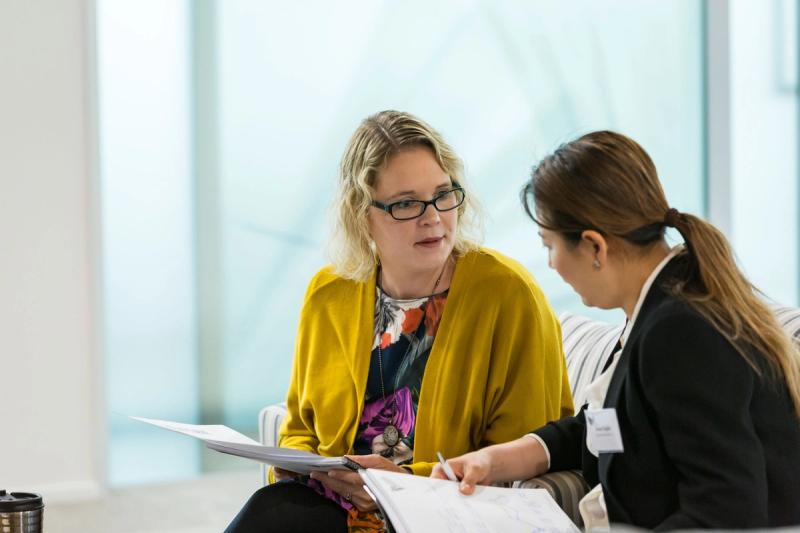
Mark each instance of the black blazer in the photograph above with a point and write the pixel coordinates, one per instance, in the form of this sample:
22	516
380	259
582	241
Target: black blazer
708	443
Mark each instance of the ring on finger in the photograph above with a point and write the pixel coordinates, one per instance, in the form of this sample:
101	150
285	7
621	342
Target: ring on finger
348	495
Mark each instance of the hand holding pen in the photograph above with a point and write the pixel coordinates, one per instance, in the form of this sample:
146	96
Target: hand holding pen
471	468
446	467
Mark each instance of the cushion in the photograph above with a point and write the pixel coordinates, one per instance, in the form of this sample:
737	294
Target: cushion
587	346
789	318
566	487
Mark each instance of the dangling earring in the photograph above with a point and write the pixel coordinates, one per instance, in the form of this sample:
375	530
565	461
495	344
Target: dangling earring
596	264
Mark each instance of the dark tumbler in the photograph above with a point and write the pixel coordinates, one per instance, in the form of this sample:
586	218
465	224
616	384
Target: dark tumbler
20	512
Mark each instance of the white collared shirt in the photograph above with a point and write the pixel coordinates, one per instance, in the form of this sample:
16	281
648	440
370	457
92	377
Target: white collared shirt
592	506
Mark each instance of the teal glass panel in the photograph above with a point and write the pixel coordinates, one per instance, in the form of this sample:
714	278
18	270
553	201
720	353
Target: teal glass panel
505	82
147	237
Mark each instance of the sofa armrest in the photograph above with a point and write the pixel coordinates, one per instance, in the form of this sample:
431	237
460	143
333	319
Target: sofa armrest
567	488
269	424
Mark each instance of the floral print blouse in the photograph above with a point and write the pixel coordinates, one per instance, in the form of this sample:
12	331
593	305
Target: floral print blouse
403	336
404	333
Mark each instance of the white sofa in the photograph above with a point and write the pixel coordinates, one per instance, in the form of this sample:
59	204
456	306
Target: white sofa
587	346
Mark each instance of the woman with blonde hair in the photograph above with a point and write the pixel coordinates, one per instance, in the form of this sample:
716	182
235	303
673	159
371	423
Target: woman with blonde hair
694	422
415	341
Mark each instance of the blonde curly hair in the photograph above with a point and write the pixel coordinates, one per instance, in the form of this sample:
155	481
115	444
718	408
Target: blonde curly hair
352	251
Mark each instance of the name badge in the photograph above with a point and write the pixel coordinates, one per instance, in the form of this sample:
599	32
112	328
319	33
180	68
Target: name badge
602	431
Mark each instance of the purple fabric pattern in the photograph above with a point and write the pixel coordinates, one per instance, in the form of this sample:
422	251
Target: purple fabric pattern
378	414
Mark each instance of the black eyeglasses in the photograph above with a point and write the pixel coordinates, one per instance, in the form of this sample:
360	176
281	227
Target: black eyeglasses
408	209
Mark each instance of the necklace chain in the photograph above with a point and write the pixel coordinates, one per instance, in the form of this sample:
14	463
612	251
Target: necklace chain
380	354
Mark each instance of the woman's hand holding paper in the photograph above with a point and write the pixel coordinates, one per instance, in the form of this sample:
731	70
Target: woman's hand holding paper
349	484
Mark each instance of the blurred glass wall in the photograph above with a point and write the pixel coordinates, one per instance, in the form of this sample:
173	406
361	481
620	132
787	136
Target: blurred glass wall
148	232
222	125
764	144
504	82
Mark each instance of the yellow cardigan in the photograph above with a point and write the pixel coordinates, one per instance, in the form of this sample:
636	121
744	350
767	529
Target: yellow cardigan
496	369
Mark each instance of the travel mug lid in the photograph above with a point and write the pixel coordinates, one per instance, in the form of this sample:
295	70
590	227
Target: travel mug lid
17	502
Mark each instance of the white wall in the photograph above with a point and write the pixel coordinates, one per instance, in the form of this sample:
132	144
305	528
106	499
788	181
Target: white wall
50	429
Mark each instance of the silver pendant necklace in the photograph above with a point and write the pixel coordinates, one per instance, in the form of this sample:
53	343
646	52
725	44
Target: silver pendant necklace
391	433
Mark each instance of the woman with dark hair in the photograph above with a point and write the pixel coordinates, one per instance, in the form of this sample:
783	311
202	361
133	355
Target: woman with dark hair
695	421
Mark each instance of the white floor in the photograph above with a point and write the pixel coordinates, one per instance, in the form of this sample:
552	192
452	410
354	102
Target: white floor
202	505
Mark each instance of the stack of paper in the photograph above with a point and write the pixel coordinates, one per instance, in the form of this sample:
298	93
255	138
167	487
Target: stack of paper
417	504
286	458
226	440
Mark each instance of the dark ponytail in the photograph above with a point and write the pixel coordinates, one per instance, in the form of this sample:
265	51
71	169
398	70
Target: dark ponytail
606	182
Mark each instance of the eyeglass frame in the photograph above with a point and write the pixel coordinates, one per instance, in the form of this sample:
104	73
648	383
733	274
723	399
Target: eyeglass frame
388	207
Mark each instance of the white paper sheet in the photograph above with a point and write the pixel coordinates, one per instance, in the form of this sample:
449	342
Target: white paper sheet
418	504
217	433
226	440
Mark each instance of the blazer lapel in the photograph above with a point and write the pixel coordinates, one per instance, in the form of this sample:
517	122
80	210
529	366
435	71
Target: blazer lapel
655	296
612	400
